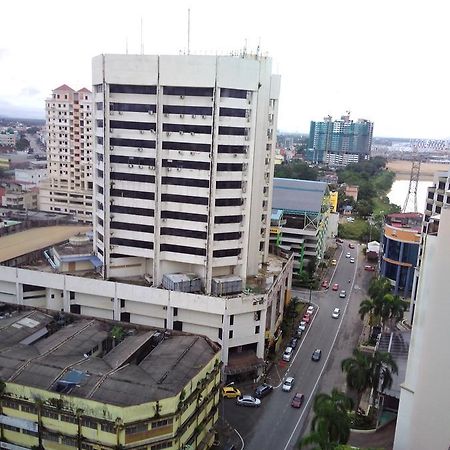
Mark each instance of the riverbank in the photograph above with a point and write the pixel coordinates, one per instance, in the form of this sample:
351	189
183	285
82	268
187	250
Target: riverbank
402	169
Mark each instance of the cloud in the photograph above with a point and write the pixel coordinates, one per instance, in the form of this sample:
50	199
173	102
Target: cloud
3	53
29	91
8	109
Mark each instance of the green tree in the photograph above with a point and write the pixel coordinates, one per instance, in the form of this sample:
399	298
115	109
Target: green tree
382	368
297	170
22	144
364	208
331	423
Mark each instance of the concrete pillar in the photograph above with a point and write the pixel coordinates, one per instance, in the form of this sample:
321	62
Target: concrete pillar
399	269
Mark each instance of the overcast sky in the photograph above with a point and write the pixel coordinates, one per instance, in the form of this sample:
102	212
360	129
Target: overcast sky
384	60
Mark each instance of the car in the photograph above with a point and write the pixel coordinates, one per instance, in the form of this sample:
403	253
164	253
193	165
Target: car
350	245
293	343
333	262
306	318
298	333
230	392
302	326
310	310
317	354
263	390
297	401
287	354
350	219
343	293
248	400
339	241
352	260
336	313
325	284
369	268
348	255
335	286
288	383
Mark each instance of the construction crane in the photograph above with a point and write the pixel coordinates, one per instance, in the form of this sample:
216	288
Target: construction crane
411	196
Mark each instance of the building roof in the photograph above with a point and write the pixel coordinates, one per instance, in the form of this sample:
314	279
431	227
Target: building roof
81	359
18	244
63	87
85	90
298	195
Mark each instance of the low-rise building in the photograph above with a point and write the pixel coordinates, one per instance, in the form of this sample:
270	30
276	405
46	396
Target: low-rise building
85	383
32	176
300	219
17	195
7	138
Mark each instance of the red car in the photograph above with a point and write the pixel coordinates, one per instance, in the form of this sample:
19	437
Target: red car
325	284
335	287
306	318
369	268
297	401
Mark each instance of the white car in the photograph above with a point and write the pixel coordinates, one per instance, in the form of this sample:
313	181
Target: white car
248	400
287	354
302	326
352	260
288	383
336	313
310	309
348	255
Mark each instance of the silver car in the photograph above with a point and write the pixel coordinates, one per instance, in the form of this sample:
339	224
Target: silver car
288	383
248	400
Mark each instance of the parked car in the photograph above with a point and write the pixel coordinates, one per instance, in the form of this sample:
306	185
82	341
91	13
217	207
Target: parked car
317	354
352	260
248	400
306	318
335	287
348	255
369	268
302	326
339	241
288	383
230	392
287	354
297	401
325	284
333	262
350	245
293	343
342	294
263	390
336	313
298	333
310	310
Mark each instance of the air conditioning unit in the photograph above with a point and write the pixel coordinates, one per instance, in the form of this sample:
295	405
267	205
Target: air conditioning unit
120	113
244	189
151	112
153	131
140	149
111	113
194	116
111	147
112	201
163	219
192	133
140	166
181	116
235	155
192	153
203	116
111	130
151	167
244	166
178	168
130	165
166	114
168	133
169	169
246	147
181	96
181	132
247	138
141	131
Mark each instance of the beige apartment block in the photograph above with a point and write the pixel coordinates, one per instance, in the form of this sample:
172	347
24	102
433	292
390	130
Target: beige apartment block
69	152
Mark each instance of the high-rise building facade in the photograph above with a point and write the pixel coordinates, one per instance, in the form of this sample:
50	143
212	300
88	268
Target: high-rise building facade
340	142
68	188
422	420
183	164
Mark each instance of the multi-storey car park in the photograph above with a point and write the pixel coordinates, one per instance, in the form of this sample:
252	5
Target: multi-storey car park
77	382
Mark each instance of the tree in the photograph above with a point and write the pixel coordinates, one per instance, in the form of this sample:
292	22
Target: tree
331	423
358	370
296	169
382	368
364	208
22	144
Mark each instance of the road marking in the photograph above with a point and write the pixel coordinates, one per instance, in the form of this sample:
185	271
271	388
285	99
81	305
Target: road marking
300	346
326	362
240	437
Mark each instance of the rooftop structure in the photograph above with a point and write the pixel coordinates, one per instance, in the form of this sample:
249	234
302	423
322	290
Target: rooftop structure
109	376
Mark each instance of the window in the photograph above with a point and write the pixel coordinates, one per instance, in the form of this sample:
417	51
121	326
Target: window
229	201
182	249
132	177
184	216
233	93
136	428
183	91
232	112
232	319
228	184
186	164
184	199
99	189
88	422
99	140
188	110
175	312
230	334
186	146
99	123
132	243
229	167
109	427
220	333
132	107
227	219
185	182
132	125
226	252
182	232
233	131
177	127
31	409
131	89
70	441
8	403
11	428
162	423
161	446
132	227
135	143
98	88
130	210
227	236
119	159
258	315
232	148
49	414
99	106
257	329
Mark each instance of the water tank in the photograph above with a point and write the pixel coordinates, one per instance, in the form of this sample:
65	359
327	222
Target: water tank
79	240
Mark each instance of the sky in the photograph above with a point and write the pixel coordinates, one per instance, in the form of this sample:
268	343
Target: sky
383	60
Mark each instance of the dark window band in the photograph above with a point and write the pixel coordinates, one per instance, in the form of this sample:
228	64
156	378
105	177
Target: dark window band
182	249
132	107
187	110
184	199
229	201
186	164
185	182
183	233
232	112
184	216
131	89
135	143
131	243
228	184
226	252
177	127
132	177
121	124
119	159
187	146
232	149
227	236
134	211
132	227
194	91
227	219
233	93
229	167
132	194
233	131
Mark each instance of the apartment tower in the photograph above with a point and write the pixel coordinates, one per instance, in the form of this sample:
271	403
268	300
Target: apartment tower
68	188
183	164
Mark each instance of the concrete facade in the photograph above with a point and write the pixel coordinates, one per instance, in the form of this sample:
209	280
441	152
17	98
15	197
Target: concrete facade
425	398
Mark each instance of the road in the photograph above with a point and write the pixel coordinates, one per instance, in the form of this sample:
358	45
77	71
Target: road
276	425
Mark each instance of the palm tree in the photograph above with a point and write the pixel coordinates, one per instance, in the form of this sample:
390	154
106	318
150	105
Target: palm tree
379	287
382	367
331	423
358	369
393	309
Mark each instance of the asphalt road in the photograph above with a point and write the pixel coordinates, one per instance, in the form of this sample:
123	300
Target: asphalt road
276	425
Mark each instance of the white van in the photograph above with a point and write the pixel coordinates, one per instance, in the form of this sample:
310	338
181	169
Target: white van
287	354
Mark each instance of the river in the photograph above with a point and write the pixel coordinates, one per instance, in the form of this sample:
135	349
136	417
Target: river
399	191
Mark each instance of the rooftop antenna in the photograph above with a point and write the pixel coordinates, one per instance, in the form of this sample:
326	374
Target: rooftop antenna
142	41
189	32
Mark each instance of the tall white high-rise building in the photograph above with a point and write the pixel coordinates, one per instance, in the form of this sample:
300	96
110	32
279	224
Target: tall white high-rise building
68	188
183	164
425	395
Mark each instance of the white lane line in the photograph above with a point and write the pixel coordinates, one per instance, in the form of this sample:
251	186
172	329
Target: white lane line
323	367
240	437
300	346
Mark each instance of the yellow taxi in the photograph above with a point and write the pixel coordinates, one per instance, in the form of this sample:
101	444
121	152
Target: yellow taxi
230	392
